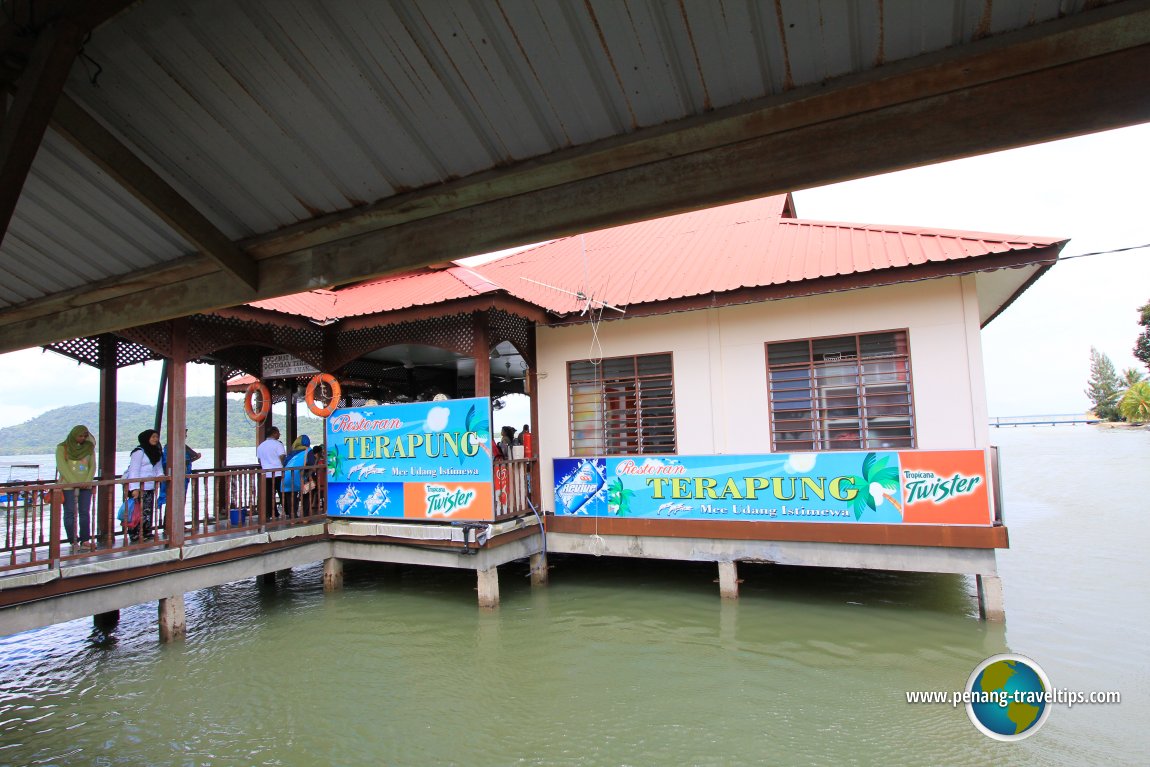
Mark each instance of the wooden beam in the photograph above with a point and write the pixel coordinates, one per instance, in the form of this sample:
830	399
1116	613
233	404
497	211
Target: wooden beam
86	133
901	117
23	128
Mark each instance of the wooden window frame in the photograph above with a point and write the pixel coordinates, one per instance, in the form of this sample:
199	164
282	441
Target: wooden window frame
607	413
853	400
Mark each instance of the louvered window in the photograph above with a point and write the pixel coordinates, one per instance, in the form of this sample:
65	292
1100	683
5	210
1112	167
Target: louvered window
622	406
842	393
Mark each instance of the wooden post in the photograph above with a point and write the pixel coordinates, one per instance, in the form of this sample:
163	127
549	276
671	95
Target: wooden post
291	421
481	351
991	605
532	386
332	574
488	587
220	442
728	580
538	563
106	494
177	431
55	529
106	621
173	623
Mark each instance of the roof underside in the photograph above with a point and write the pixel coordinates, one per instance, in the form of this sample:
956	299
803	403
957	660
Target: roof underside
203	154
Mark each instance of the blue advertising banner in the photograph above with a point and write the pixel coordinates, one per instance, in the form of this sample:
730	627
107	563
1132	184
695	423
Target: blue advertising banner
421	460
888	487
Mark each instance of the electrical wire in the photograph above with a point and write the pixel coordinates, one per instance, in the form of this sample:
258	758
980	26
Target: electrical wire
1104	252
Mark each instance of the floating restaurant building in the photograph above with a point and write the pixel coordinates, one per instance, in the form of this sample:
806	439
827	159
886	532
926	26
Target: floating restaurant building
734	384
731	384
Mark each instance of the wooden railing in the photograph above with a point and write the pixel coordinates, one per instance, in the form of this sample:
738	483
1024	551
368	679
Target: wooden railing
217	503
516	483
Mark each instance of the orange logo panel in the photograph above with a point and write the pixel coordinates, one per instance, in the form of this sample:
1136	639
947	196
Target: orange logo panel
945	487
448	500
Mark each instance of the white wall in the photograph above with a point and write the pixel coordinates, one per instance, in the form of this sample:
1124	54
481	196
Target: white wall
720	363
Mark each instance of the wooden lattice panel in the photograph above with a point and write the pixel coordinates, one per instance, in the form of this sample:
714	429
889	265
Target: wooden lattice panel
504	326
453	333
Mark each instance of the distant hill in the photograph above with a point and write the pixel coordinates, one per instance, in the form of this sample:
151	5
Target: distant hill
41	435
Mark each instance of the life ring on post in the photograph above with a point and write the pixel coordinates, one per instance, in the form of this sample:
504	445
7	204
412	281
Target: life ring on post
257	414
326	380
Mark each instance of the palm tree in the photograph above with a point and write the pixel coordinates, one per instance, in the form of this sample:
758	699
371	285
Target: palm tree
1135	404
1131	376
877	483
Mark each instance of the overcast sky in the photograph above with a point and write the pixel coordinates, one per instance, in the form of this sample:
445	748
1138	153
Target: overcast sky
1091	190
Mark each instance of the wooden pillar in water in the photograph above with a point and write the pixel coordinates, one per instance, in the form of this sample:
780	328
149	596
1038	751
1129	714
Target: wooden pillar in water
488	587
991	605
291	421
728	580
531	389
173	625
177	433
538	563
106	621
332	574
481	352
220	441
105	527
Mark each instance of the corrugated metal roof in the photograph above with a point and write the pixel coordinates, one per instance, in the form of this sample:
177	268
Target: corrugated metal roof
420	288
723	249
267	114
744	245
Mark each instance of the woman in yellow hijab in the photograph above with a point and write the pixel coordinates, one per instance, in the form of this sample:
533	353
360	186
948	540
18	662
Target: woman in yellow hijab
76	464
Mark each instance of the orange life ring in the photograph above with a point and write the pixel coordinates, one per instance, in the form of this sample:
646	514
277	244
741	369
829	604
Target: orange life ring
254	388
332	403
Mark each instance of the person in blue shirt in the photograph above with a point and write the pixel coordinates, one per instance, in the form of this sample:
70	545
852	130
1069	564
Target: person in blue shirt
299	482
190	456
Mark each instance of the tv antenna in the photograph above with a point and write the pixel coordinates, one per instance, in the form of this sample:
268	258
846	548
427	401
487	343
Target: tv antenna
592	307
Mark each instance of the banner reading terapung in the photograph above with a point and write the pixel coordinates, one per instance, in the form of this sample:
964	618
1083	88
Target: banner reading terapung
422	460
947	487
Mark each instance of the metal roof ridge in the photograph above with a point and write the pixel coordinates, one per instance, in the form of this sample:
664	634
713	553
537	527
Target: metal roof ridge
929	231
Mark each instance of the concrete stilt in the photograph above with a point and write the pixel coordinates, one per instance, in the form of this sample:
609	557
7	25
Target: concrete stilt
728	580
990	602
172	619
488	587
538	564
106	621
332	574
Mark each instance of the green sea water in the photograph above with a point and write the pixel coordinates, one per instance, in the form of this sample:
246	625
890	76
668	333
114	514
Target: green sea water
625	662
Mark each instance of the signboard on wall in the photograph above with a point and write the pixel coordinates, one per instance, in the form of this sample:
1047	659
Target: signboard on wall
939	487
428	461
285	366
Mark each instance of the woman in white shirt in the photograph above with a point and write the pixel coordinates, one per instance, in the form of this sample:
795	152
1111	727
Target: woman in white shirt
145	462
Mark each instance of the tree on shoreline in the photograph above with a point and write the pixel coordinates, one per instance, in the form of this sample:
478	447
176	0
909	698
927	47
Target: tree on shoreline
1135	404
1104	387
1142	345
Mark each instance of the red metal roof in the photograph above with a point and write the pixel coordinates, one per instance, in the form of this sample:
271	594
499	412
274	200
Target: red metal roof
749	244
419	288
757	243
